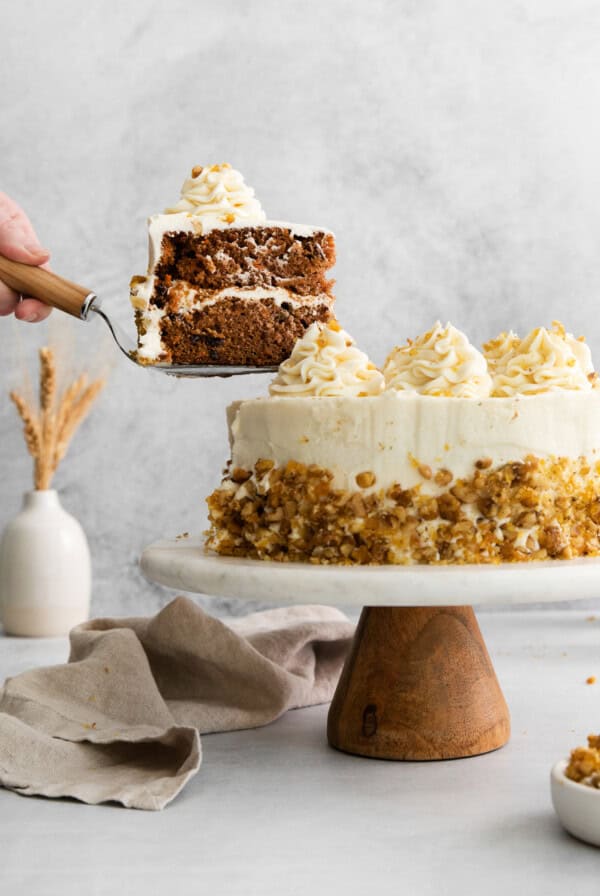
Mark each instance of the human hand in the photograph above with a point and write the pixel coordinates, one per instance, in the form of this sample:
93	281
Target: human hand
19	242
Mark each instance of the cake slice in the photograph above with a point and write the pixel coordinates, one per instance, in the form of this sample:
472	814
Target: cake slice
224	284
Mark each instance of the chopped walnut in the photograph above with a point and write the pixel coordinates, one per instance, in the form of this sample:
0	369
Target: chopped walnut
239	475
584	763
527	496
443	477
594	510
365	480
263	466
553	539
429	508
449	507
464	493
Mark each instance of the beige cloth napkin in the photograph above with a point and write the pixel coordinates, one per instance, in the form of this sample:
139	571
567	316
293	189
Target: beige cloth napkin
122	719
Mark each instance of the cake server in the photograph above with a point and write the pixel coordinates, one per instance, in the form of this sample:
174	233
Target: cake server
81	302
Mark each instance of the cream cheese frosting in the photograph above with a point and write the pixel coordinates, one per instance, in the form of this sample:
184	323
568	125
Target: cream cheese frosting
496	350
436	412
399	437
327	362
218	194
441	362
543	361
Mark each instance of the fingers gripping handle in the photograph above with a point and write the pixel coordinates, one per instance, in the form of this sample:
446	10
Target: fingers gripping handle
47	287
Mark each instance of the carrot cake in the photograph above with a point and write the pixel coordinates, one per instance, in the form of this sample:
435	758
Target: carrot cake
225	285
447	455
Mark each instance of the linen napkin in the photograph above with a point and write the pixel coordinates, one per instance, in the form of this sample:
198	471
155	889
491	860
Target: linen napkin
121	721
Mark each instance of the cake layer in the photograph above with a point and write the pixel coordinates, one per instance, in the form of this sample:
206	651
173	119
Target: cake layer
266	255
395	437
230	330
245	257
185	222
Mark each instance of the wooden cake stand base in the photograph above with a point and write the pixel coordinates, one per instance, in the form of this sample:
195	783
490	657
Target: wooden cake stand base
418	683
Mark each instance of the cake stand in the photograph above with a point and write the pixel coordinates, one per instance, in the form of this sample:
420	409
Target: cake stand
418	682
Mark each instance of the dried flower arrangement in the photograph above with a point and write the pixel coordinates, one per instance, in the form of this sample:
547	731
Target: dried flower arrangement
49	429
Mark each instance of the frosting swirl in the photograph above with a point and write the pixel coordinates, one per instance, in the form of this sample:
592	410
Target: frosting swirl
325	362
543	361
499	348
218	195
440	362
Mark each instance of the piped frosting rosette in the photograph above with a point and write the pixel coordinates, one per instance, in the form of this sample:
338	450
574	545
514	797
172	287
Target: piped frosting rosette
218	194
497	350
327	362
543	361
440	362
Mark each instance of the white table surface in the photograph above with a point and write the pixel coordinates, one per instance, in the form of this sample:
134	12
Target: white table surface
275	811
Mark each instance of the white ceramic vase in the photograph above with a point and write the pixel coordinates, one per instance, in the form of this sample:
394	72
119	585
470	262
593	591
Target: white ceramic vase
45	569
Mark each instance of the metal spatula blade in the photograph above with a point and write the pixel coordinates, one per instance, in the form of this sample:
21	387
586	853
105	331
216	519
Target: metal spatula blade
80	302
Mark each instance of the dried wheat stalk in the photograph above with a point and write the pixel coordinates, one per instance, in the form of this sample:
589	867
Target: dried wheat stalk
48	430
47	379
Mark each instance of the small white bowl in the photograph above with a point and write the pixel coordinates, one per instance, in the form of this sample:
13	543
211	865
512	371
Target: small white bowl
577	805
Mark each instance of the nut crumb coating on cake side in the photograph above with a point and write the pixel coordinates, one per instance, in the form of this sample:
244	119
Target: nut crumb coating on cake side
531	510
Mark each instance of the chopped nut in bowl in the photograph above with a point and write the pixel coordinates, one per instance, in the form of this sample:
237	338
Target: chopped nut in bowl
584	764
575	787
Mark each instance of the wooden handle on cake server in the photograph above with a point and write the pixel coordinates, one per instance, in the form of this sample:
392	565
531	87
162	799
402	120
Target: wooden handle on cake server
47	287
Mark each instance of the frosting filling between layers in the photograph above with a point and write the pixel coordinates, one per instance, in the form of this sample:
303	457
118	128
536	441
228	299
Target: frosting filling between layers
181	296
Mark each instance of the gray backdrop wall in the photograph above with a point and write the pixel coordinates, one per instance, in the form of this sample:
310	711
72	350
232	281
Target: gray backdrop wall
453	147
